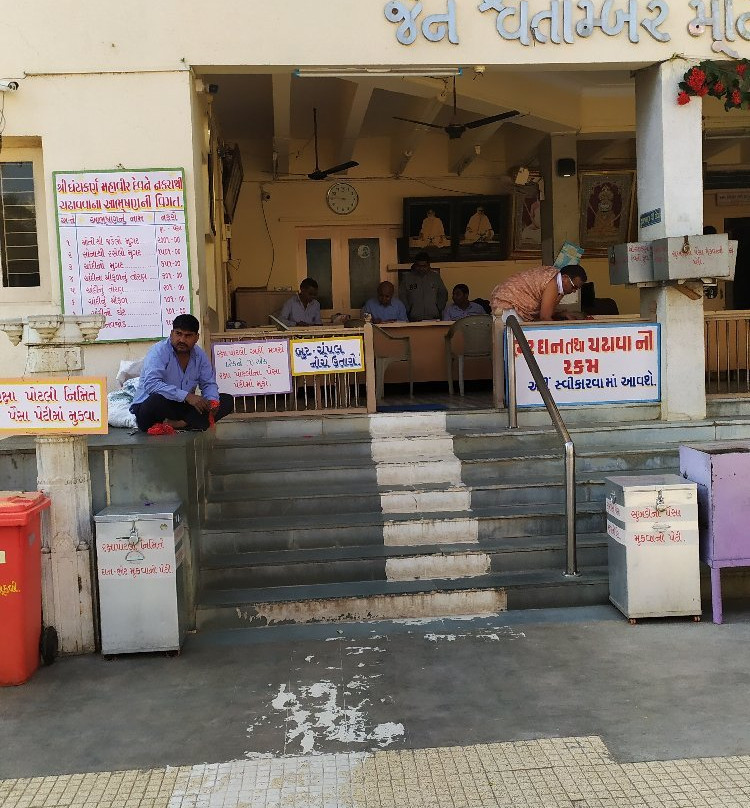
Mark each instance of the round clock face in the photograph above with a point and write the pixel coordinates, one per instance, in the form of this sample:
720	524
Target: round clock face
342	198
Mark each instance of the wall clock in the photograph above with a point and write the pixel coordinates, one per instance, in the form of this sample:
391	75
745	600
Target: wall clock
342	198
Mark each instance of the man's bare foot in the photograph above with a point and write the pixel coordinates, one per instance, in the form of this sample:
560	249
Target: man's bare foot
176	424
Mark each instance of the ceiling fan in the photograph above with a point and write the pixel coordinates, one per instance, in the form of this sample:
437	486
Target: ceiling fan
455	130
321	174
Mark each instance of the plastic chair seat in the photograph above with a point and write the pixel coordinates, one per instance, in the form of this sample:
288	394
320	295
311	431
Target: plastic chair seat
390	349
475	333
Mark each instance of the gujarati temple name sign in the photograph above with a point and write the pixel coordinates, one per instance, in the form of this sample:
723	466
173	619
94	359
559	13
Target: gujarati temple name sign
592	364
564	20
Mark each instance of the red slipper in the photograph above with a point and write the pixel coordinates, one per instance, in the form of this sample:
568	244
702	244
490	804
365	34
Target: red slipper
161	429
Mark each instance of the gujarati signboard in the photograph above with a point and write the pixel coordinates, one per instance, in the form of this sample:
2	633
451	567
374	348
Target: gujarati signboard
76	406
253	368
124	249
592	364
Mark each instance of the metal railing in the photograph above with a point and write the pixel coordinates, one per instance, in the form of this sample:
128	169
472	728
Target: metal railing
727	347
339	392
514	333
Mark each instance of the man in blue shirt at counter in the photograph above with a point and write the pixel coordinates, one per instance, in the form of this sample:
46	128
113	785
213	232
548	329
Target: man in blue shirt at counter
166	399
385	308
302	309
461	306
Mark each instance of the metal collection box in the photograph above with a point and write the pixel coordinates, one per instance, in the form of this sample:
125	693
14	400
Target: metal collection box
652	524
139	559
631	263
686	257
721	470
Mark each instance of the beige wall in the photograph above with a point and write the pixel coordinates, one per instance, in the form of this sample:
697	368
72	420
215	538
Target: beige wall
96	122
87	35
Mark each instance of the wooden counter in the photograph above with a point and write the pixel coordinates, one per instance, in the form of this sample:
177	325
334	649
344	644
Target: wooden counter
428	354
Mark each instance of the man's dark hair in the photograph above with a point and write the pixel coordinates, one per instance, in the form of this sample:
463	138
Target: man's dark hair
710	230
186	322
463	287
422	256
309	283
574	271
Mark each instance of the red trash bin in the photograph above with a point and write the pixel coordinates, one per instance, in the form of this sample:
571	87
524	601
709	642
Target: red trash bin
20	584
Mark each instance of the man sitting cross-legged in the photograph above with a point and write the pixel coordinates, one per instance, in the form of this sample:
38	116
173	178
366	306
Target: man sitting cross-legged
166	399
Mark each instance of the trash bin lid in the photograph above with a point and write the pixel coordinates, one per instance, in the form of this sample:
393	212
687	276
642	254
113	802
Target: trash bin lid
17	506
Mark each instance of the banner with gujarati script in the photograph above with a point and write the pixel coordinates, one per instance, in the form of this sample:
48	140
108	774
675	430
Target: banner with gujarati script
76	406
123	249
311	357
253	367
592	363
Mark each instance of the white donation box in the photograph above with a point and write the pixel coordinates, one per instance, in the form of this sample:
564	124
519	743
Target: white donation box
139	559
652	524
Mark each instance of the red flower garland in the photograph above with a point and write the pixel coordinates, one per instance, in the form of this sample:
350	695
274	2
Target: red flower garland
723	80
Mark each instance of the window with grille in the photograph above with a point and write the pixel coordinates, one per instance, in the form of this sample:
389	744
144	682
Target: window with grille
19	255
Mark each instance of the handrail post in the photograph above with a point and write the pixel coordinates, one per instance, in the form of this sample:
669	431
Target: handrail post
571	562
510	349
513	330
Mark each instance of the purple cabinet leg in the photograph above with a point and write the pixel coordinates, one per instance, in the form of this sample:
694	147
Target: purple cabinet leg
716	594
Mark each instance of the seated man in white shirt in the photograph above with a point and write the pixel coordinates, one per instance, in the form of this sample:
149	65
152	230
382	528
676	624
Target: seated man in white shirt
385	308
302	309
461	306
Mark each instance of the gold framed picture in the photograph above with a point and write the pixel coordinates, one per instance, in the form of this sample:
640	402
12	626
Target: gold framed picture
526	233
606	209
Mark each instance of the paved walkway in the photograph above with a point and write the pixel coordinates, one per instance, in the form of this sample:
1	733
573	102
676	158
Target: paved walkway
551	708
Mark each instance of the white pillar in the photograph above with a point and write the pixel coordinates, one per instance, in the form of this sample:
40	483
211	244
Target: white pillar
560	219
54	348
670	181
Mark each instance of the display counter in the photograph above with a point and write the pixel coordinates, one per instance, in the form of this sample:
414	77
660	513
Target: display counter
428	353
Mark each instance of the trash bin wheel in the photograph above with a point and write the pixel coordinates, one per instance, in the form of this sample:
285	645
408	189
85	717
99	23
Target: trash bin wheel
48	645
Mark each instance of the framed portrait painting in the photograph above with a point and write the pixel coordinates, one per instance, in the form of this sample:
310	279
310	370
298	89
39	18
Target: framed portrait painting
428	224
526	231
482	228
606	209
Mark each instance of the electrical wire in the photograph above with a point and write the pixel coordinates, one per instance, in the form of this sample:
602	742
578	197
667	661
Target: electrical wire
268	233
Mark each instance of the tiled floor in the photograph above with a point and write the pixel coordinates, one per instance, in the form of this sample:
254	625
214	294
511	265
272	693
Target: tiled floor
546	773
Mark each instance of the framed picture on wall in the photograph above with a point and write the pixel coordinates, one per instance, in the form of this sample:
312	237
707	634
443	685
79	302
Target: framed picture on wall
455	228
526	222
428	224
482	228
605	208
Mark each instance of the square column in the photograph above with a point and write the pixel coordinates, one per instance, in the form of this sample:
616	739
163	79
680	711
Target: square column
670	181
560	220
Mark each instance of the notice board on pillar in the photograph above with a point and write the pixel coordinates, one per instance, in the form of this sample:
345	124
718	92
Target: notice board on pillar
124	249
592	363
75	406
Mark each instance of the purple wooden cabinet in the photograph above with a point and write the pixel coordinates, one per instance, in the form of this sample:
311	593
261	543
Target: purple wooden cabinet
722	472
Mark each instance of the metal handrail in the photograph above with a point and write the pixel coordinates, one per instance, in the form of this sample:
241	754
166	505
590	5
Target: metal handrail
513	331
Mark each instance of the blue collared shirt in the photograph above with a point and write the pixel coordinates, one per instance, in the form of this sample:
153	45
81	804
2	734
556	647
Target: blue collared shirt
162	374
294	311
454	312
395	310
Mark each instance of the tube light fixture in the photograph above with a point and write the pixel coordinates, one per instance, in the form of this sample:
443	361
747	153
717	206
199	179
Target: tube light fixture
374	72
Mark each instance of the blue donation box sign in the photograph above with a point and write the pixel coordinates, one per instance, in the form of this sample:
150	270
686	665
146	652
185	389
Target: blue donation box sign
592	364
253	368
327	355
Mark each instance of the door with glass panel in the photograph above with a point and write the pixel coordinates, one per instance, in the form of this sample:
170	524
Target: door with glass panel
348	264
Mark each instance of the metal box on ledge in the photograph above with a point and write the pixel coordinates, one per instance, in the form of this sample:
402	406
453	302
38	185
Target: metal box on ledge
652	524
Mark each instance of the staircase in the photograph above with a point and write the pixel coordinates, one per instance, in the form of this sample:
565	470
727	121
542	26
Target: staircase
415	515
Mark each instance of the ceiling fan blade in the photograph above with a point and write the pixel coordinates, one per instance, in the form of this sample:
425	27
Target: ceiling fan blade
421	123
492	119
342	167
